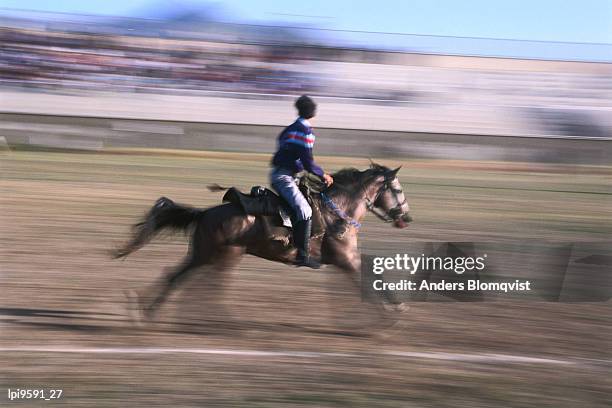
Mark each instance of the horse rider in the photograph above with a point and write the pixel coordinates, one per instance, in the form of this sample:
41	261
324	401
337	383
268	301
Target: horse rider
294	155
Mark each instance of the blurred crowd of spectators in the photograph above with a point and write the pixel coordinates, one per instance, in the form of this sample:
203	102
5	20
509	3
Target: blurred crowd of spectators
93	61
281	62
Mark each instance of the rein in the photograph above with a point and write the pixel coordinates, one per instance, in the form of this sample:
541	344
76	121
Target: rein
338	211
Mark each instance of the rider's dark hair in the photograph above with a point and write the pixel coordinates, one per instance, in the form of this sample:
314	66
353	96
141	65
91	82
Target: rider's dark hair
306	107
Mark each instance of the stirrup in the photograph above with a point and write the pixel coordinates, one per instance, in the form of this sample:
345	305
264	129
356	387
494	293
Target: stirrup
307	262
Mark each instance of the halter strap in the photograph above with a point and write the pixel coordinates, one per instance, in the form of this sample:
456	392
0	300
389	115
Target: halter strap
385	216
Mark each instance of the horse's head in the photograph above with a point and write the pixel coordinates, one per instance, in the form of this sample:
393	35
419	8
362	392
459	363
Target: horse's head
389	202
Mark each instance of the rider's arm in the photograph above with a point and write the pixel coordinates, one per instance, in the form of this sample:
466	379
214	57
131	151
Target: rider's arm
309	163
310	166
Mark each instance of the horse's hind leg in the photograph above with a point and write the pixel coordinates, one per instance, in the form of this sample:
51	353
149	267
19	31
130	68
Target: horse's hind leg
200	253
209	246
150	302
220	260
202	299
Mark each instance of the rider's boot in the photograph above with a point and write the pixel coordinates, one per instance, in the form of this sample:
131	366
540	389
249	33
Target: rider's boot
301	240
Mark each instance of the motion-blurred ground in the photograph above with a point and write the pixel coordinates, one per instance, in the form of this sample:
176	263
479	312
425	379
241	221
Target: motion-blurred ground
63	212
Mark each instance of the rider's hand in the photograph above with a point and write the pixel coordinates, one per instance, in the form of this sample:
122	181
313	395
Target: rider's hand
328	179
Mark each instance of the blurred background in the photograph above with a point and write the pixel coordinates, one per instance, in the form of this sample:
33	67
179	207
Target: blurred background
499	113
227	63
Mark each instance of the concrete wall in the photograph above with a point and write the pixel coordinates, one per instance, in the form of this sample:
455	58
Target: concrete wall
99	133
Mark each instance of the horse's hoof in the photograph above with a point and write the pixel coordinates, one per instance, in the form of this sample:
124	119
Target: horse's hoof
396	329
148	313
396	307
138	311
134	312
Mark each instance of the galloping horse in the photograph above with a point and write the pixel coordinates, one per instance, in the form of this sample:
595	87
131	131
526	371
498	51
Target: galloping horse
222	234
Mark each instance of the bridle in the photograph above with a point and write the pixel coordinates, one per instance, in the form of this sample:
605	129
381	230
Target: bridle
390	216
394	213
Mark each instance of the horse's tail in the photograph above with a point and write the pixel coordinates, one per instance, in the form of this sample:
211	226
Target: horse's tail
165	214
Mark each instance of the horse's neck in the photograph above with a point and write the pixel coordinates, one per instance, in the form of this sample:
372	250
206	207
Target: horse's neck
355	205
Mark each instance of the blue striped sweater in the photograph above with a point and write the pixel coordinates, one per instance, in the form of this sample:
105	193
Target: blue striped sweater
295	145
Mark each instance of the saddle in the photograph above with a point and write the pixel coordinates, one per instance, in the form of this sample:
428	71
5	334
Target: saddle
274	211
260	202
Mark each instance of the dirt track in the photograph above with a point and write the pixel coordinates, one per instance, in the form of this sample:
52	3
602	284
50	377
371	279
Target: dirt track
62	213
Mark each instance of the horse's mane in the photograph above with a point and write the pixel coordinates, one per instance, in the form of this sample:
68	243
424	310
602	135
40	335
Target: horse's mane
350	178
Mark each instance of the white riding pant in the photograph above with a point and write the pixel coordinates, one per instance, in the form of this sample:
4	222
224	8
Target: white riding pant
285	184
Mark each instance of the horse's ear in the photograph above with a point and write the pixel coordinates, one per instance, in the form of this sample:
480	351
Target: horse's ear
395	171
372	164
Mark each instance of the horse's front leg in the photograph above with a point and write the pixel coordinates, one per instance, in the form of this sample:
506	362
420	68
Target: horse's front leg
343	253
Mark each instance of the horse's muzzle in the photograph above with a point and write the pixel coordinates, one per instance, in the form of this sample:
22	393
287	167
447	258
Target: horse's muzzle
403	221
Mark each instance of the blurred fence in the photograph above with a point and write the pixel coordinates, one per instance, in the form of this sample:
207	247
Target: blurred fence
104	133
